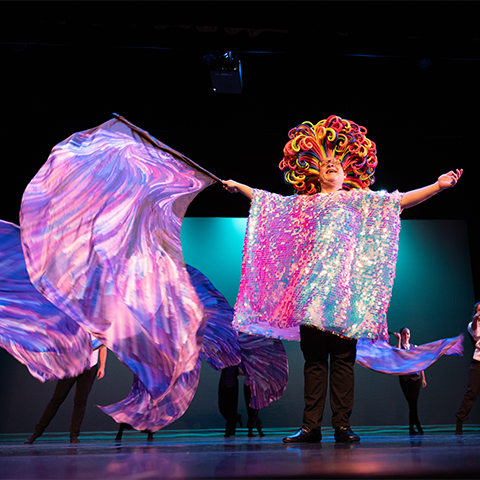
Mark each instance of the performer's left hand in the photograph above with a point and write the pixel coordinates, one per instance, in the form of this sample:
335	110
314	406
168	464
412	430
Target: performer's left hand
448	180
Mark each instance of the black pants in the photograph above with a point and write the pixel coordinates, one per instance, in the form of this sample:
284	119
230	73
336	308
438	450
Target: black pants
317	346
253	420
472	391
84	383
411	389
228	401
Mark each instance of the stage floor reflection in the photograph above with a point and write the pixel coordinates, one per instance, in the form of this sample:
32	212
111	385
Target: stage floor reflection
382	453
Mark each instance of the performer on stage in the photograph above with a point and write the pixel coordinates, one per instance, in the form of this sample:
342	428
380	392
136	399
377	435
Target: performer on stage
411	384
84	383
228	402
473	386
319	266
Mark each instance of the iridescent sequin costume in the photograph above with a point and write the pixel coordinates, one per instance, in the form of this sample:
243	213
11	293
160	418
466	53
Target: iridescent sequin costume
326	260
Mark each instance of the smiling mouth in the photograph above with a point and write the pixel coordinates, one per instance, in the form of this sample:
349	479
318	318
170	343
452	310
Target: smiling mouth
331	170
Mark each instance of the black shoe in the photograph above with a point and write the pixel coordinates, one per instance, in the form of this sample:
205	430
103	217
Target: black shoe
260	432
345	435
74	440
305	435
31	439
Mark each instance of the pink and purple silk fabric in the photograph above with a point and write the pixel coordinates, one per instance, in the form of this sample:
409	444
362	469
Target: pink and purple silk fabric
264	360
99	253
381	357
38	334
100	228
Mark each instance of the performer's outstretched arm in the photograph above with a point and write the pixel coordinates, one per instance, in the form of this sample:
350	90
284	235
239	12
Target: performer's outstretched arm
414	197
424	380
102	356
235	187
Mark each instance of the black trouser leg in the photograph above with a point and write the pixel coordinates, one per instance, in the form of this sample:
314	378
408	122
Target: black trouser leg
314	345
253	418
472	391
84	386
411	390
62	389
228	398
343	352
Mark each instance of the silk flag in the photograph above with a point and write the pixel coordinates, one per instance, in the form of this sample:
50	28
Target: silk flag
384	358
263	359
220	349
100	229
35	332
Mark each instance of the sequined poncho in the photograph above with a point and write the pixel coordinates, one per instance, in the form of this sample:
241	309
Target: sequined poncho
326	260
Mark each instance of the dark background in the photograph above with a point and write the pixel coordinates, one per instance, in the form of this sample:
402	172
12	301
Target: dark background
66	66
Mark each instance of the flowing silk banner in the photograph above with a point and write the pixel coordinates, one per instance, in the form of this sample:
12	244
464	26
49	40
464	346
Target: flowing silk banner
264	360
39	335
384	358
100	228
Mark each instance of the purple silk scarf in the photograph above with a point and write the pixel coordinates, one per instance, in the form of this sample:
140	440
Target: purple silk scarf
220	347
140	410
100	228
39	335
264	360
382	357
266	368
326	260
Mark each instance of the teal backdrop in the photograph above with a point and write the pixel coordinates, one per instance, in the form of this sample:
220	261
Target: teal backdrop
432	295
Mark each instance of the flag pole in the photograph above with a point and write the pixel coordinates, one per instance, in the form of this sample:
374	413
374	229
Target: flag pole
146	136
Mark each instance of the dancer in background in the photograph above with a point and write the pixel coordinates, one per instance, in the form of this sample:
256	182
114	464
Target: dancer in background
84	383
228	399
473	386
411	384
319	266
228	402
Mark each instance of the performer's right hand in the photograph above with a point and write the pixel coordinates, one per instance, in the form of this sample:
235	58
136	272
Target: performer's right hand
231	186
235	187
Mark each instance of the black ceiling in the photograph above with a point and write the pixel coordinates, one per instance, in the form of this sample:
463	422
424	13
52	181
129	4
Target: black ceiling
66	66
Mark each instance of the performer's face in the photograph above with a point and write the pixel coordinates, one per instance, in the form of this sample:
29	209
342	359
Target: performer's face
405	335
331	175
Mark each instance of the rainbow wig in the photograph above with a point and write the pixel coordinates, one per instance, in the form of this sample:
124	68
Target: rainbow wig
310	144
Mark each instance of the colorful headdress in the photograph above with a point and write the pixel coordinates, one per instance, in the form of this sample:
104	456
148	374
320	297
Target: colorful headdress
311	144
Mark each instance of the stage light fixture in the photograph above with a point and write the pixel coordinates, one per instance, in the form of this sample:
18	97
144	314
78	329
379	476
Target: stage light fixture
225	73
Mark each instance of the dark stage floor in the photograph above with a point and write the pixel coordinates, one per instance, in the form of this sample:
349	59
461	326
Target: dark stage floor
382	453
